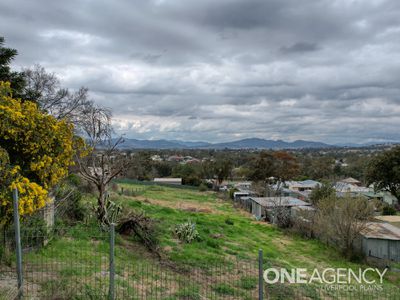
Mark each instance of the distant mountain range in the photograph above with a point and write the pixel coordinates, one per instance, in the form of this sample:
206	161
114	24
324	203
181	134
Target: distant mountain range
251	143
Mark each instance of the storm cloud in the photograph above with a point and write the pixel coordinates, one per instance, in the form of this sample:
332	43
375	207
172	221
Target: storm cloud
222	70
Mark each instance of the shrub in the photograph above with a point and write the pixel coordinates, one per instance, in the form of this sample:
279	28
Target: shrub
388	211
232	192
203	187
229	221
34	231
186	232
70	207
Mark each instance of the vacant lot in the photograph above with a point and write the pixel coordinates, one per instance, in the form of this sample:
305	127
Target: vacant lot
221	264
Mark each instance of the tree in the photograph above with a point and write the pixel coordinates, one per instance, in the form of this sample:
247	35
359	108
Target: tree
222	170
262	167
285	166
339	221
384	172
45	89
6	75
104	161
322	192
36	152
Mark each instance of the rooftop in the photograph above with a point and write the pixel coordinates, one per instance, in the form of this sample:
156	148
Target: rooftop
351	180
168	179
279	201
304	184
384	231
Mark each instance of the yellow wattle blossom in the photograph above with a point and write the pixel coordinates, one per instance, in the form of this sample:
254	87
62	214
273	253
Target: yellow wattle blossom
42	150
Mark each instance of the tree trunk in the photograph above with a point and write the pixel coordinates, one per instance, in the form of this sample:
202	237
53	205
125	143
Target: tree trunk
101	205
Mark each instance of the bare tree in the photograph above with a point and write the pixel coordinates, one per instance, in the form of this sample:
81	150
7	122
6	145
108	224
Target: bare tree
45	89
281	212
340	221
104	162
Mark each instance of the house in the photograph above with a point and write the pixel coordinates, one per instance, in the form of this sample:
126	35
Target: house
301	186
352	181
244	185
299	189
381	241
175	158
344	187
262	207
238	195
383	196
243	190
172	181
304	195
156	158
192	161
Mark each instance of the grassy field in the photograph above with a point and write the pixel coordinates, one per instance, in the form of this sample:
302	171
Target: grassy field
221	263
219	239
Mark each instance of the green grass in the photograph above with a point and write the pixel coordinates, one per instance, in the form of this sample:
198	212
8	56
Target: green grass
241	236
76	261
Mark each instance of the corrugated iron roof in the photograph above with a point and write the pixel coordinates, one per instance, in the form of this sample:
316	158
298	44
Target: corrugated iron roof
384	231
279	201
350	180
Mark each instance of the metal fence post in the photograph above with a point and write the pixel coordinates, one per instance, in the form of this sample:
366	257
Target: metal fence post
260	275
111	292
18	249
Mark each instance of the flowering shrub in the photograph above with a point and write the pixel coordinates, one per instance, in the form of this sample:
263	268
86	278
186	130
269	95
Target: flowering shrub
36	151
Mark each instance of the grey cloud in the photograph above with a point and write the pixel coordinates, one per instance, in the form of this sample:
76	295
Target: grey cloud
300	47
218	70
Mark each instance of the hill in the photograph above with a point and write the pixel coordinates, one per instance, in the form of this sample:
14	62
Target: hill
251	143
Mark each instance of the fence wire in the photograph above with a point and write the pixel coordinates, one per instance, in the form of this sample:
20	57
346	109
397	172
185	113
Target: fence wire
74	263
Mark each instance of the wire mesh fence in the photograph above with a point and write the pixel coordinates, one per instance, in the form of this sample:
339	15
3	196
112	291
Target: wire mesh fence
74	263
85	262
64	264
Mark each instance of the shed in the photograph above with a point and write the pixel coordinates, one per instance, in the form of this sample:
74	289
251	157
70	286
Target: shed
173	181
381	240
260	205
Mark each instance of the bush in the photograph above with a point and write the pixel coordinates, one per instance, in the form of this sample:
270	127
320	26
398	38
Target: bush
389	211
203	187
229	221
70	207
232	192
34	231
186	232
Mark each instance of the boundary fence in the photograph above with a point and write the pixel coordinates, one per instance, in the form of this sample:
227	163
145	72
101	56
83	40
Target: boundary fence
58	265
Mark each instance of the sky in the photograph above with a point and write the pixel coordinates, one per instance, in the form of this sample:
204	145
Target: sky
223	70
